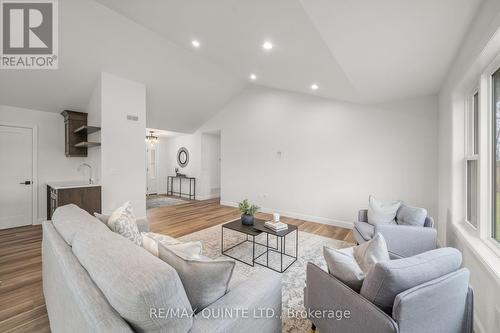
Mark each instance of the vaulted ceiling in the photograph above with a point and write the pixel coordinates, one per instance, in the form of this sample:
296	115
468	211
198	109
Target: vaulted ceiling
362	51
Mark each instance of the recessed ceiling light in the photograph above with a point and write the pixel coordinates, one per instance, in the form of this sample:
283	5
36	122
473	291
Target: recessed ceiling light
268	46
314	86
195	43
253	77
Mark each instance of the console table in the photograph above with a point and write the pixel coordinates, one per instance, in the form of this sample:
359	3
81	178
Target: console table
192	186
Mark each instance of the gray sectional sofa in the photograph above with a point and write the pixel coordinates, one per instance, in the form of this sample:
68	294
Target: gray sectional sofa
97	281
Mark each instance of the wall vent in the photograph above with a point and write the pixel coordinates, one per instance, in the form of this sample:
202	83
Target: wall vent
132	117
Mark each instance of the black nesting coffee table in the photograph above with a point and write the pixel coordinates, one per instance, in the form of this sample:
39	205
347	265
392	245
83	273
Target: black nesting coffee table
255	230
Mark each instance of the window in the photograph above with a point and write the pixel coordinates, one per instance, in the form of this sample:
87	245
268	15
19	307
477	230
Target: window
496	155
471	160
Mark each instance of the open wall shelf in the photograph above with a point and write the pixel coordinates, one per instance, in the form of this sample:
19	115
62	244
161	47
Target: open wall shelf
87	129
87	144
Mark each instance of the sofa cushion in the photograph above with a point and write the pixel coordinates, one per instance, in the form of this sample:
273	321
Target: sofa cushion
389	278
351	264
205	280
380	212
134	282
365	229
410	215
71	219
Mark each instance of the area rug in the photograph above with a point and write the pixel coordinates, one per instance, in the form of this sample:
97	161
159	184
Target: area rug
155	202
293	280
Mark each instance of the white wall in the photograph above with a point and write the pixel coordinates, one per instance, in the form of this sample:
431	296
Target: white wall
477	51
94	119
123	164
168	147
53	165
333	154
210	165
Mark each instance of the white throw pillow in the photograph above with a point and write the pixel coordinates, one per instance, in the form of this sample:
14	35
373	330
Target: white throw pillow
382	213
150	241
122	221
188	250
350	265
101	217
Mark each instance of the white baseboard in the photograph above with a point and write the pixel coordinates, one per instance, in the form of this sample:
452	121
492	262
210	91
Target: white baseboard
40	220
207	197
300	216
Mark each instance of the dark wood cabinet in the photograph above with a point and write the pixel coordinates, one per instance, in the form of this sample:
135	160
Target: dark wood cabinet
72	121
87	198
76	133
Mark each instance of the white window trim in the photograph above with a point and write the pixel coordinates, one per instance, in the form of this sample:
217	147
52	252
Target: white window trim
469	154
486	173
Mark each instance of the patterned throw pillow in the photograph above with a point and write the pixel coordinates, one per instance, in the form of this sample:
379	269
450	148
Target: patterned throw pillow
122	221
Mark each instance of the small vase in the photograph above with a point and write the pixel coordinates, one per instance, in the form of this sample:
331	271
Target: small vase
247	219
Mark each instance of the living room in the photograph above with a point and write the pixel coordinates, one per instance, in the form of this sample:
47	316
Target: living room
281	166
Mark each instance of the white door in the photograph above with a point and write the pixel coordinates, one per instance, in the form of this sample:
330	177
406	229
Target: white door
151	159
16	170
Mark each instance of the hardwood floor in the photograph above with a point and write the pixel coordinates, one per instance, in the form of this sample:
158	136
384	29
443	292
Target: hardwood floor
183	219
22	306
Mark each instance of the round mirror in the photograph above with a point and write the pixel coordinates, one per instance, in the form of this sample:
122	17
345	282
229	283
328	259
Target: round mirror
182	157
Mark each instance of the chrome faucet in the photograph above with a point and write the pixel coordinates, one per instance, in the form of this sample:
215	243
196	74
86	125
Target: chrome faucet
91	180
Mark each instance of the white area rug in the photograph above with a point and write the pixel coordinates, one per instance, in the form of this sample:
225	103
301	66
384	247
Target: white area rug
293	280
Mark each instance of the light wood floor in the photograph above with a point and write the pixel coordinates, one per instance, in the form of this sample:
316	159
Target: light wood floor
22	306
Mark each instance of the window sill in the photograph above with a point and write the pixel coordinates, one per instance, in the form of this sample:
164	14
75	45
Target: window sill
487	255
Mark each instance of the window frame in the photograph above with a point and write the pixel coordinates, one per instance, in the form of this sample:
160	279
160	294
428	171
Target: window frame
487	168
472	141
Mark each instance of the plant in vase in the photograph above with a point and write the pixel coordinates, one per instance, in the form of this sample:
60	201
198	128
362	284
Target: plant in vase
247	212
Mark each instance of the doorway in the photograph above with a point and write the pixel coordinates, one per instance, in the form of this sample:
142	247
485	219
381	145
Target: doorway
17	176
152	169
211	164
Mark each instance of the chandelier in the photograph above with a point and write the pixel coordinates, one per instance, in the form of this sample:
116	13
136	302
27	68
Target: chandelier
151	138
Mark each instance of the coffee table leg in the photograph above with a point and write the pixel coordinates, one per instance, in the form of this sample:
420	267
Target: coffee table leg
281	254
222	242
253	251
267	249
296	243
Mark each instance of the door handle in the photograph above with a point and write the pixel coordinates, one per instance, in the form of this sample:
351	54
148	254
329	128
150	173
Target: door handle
26	182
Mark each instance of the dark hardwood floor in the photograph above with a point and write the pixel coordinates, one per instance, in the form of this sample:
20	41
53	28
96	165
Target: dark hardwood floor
22	306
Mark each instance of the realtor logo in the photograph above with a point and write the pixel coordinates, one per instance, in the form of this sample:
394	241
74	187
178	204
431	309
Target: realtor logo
29	34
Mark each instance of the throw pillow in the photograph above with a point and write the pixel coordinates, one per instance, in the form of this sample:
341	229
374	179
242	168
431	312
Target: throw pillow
205	280
381	213
389	278
101	217
190	250
150	241
350	265
409	215
122	221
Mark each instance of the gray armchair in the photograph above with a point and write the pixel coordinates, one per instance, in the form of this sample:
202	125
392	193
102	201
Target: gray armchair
402	240
442	305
